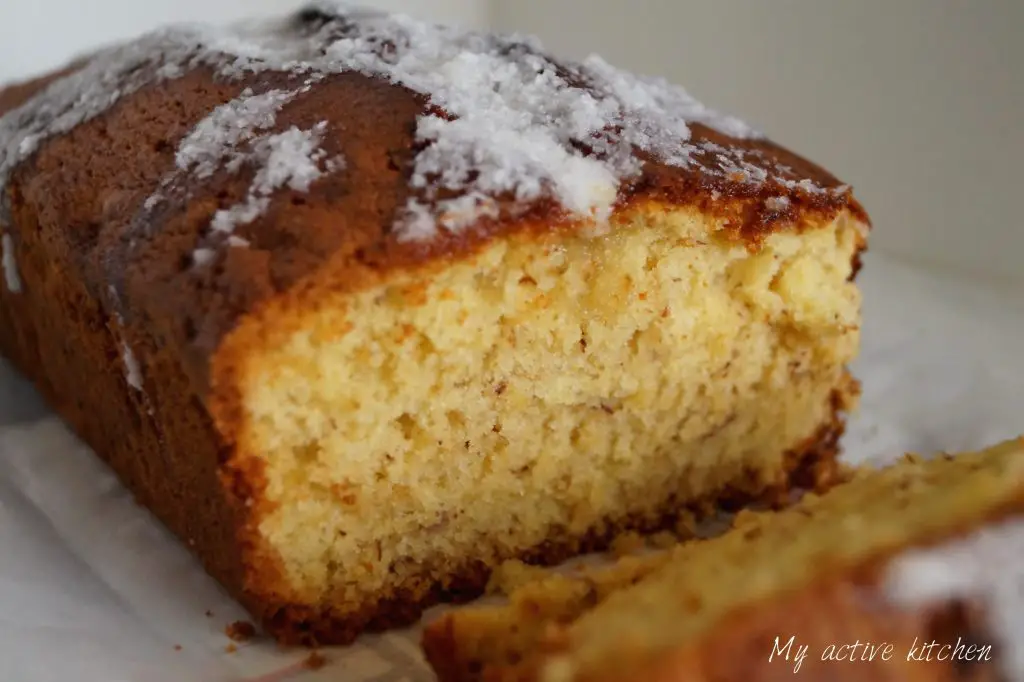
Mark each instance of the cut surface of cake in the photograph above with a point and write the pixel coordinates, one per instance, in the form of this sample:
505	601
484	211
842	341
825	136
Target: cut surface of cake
919	552
361	306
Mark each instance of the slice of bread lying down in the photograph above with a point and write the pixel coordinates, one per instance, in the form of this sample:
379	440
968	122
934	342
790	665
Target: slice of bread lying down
911	572
361	307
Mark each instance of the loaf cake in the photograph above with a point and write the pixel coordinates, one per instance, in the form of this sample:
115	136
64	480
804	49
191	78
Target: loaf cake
924	550
360	306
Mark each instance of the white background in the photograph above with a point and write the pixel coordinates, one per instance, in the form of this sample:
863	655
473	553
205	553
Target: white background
919	104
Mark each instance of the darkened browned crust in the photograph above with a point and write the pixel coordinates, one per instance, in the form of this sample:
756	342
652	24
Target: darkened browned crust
57	331
76	203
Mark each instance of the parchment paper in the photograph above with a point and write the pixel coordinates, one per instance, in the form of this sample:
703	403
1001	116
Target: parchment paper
93	589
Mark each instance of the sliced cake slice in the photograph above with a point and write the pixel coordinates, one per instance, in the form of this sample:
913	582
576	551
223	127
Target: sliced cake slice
914	561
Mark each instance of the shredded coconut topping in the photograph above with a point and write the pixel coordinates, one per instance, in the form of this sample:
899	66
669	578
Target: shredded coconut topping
984	566
230	138
289	159
10	264
504	123
203	256
517	124
214	142
92	90
132	371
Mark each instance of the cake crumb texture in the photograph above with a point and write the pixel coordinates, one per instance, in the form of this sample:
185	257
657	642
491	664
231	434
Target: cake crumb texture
240	631
541	389
314	661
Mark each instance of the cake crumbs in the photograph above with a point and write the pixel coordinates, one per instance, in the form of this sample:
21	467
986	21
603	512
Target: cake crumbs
664	540
177	647
314	661
686	526
510	575
626	544
240	631
747	518
231	648
846	471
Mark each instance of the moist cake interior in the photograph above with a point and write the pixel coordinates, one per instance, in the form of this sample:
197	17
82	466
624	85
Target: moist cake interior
470	413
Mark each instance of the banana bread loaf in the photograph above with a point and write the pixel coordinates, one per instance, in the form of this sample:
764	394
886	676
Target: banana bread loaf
361	306
921	557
